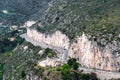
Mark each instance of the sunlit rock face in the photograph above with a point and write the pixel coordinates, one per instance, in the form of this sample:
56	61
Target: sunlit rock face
29	23
92	55
88	53
55	39
50	62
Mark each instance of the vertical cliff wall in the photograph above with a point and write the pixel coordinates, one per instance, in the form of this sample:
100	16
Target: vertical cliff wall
55	39
92	55
88	53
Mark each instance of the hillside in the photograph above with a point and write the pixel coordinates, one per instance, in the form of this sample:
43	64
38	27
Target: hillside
69	39
100	19
19	11
23	64
89	30
72	17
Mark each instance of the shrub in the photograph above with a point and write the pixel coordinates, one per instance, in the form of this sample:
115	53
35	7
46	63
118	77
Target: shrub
49	52
50	55
23	74
72	62
75	66
65	69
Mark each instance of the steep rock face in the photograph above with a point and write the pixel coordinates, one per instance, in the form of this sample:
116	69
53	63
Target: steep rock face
88	53
56	39
92	55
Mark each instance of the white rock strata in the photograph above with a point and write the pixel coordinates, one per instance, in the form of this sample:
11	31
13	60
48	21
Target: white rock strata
91	55
56	39
88	53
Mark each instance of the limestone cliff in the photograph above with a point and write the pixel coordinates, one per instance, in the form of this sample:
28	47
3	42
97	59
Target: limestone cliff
92	55
88	53
56	39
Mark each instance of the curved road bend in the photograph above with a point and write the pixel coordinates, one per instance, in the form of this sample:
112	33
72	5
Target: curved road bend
100	73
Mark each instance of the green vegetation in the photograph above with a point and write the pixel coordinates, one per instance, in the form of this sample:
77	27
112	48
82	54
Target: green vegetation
23	74
65	69
107	27
91	76
1	71
13	18
117	79
49	53
3	29
70	69
100	19
7	46
9	40
73	63
20	12
64	72
21	61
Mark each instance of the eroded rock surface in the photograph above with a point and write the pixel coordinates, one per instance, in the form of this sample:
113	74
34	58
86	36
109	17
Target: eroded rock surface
88	53
56	39
92	55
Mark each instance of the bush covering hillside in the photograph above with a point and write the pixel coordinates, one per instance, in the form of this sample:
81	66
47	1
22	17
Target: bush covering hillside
20	11
99	18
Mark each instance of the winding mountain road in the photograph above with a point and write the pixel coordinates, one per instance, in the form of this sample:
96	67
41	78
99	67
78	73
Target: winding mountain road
103	75
62	51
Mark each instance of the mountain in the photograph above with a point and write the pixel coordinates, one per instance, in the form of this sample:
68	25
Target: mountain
97	18
67	39
19	11
89	30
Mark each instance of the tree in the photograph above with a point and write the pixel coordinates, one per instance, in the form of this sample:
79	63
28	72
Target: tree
72	62
50	55
23	74
75	66
65	69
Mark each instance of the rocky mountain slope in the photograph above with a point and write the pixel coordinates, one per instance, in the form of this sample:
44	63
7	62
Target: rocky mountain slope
89	53
100	19
24	64
88	29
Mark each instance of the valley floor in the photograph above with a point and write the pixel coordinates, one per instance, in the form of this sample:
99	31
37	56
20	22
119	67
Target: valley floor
100	73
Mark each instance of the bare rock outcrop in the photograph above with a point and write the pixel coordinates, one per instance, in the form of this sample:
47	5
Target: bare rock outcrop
56	39
89	53
92	55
